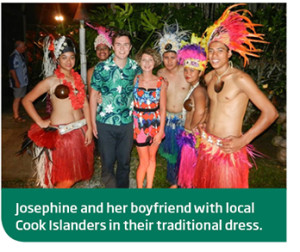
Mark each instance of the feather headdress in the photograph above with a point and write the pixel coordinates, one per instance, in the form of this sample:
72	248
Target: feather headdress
236	31
104	36
192	55
170	39
52	50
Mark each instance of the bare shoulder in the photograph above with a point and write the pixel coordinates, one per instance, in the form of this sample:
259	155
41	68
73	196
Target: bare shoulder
243	80
199	91
91	70
160	72
208	77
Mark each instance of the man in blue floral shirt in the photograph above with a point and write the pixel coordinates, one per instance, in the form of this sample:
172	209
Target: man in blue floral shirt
112	119
18	77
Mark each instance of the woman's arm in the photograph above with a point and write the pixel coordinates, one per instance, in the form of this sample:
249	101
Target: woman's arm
199	97
162	109
93	110
41	88
87	116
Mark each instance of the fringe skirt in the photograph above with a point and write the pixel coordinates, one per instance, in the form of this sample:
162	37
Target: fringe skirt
59	157
188	159
217	169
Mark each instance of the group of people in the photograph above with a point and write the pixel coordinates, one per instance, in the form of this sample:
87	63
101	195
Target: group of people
192	119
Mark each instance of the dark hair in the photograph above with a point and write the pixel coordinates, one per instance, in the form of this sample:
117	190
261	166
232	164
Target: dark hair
70	47
119	34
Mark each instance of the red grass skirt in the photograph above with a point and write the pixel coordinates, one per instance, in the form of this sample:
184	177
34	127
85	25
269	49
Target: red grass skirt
217	169
188	160
61	157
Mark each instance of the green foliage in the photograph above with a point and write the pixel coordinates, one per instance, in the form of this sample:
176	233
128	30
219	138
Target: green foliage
143	20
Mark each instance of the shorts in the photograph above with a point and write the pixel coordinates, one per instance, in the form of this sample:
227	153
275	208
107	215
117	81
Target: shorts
19	92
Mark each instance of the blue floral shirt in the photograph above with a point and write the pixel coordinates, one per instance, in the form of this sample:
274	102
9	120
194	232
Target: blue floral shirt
116	87
17	63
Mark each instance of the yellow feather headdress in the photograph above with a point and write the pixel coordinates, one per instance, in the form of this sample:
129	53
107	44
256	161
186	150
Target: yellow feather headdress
236	31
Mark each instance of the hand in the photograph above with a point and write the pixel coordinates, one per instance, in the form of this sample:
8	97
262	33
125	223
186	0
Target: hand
195	131
157	139
232	144
99	98
88	137
44	123
202	126
95	131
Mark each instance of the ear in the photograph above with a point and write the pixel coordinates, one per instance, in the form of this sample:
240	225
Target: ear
229	54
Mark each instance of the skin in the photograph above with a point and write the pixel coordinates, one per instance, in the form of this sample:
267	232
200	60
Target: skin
121	47
177	85
228	107
21	48
147	154
102	53
198	98
63	112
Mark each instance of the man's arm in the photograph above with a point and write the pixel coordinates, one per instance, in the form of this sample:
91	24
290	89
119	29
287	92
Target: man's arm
199	96
267	117
15	77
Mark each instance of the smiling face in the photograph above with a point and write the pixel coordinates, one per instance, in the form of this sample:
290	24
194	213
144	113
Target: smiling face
102	52
218	54
67	61
122	47
191	75
147	63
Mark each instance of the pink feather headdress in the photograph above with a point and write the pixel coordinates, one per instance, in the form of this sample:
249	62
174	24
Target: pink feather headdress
236	31
192	55
104	36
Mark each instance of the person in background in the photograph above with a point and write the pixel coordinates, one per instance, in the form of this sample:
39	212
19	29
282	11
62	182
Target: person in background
224	148
18	78
102	46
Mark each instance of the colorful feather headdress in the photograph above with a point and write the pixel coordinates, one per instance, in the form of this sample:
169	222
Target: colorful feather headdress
236	31
104	36
170	39
192	55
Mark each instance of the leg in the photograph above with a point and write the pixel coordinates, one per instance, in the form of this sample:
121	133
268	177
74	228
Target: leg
152	165
143	165
106	146
16	105
64	184
123	152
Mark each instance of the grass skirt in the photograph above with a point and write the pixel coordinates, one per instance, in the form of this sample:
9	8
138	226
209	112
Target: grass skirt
217	169
60	158
188	159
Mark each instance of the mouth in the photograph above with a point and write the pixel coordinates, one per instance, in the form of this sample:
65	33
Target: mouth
215	61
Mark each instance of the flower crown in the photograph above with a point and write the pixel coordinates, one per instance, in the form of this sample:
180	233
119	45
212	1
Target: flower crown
192	55
170	39
104	36
231	29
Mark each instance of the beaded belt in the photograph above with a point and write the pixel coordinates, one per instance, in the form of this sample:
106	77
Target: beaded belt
63	129
211	139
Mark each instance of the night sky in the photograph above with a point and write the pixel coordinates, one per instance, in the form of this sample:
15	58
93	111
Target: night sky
19	16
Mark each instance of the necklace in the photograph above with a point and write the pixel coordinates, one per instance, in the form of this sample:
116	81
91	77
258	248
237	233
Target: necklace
219	84
76	91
